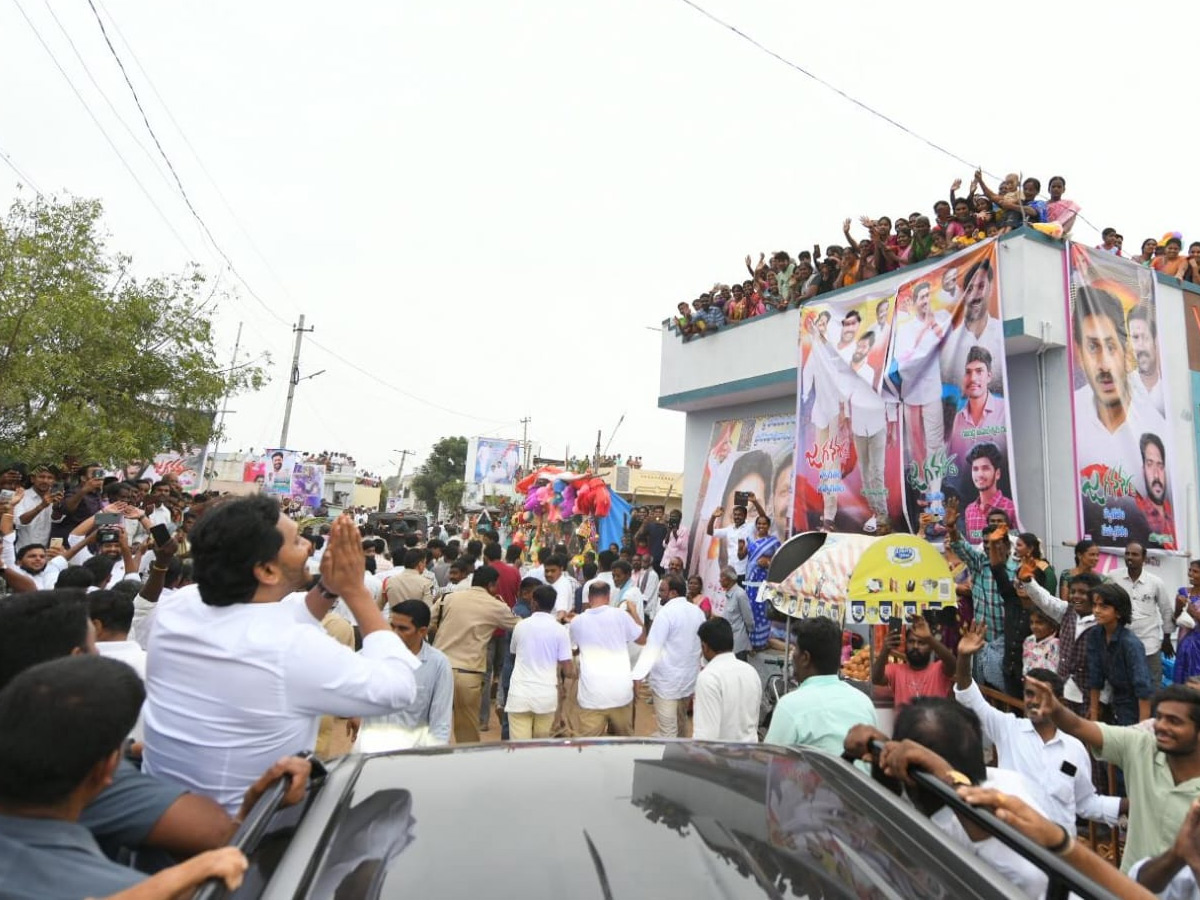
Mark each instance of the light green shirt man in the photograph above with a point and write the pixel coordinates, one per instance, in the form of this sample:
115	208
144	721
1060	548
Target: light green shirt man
819	714
1157	805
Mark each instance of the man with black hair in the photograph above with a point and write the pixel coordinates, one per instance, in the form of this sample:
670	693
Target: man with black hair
1075	617
1107	422
563	584
47	782
728	690
269	671
111	615
136	810
34	512
1054	762
1162	769
82	501
601	633
985	465
823	708
542	649
462	625
410	583
671	657
539	571
945	739
426	721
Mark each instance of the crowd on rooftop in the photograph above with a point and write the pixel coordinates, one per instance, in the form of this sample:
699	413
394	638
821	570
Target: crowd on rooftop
781	281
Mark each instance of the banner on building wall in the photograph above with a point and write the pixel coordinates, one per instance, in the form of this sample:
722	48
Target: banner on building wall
848	465
947	367
745	456
272	471
901	403
1124	473
308	484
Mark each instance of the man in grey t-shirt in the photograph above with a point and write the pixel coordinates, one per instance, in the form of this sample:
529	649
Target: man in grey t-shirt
738	612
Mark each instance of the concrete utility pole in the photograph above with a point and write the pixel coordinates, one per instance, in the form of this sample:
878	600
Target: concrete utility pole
525	444
292	382
404	454
237	343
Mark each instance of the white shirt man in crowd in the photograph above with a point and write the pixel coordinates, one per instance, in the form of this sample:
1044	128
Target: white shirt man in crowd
34	512
671	657
1051	760
624	593
1153	609
563	584
112	619
646	580
426	721
602	633
728	691
267	668
736	537
542	649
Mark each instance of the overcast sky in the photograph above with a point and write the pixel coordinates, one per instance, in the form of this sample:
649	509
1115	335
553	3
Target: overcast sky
487	205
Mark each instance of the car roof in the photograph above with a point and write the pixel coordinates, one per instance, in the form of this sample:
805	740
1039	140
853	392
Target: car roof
627	818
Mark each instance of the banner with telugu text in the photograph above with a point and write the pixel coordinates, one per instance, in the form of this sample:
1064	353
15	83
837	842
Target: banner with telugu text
901	403
947	366
752	455
1120	402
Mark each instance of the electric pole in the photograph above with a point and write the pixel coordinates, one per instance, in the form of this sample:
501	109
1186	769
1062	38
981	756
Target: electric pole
293	380
525	443
237	343
404	454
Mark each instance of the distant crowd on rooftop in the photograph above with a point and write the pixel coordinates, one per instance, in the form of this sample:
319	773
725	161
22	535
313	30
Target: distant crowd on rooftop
783	282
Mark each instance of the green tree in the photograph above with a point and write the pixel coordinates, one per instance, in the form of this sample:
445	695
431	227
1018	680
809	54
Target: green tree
447	461
94	362
450	494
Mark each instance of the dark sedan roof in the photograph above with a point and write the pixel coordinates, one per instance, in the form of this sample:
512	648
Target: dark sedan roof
619	819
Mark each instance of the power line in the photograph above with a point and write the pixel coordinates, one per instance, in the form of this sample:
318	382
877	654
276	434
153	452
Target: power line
103	131
195	153
854	100
398	390
79	56
8	161
170	166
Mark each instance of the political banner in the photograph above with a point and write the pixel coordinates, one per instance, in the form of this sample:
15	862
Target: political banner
947	368
188	468
276	471
746	456
848	466
494	462
1119	404
308	484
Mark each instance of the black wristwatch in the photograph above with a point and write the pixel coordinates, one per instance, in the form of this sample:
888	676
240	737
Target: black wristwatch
319	586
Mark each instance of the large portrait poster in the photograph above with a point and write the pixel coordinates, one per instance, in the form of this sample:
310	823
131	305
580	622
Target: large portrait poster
848	465
496	462
277	472
948	368
1120	403
744	455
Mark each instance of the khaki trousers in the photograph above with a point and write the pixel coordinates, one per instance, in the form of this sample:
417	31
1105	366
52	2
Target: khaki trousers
670	717
522	726
468	689
598	722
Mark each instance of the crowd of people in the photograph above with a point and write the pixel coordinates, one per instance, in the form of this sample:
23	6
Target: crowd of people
413	639
784	281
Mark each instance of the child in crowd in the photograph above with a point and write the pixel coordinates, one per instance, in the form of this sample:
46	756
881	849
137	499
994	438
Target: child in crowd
1040	649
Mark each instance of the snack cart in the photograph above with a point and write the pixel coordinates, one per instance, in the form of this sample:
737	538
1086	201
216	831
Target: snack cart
864	583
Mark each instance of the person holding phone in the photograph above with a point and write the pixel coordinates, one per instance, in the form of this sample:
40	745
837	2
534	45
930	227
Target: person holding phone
737	536
82	500
918	675
34	511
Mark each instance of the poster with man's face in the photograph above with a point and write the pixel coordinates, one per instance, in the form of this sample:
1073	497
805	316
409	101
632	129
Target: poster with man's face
278	466
1120	403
